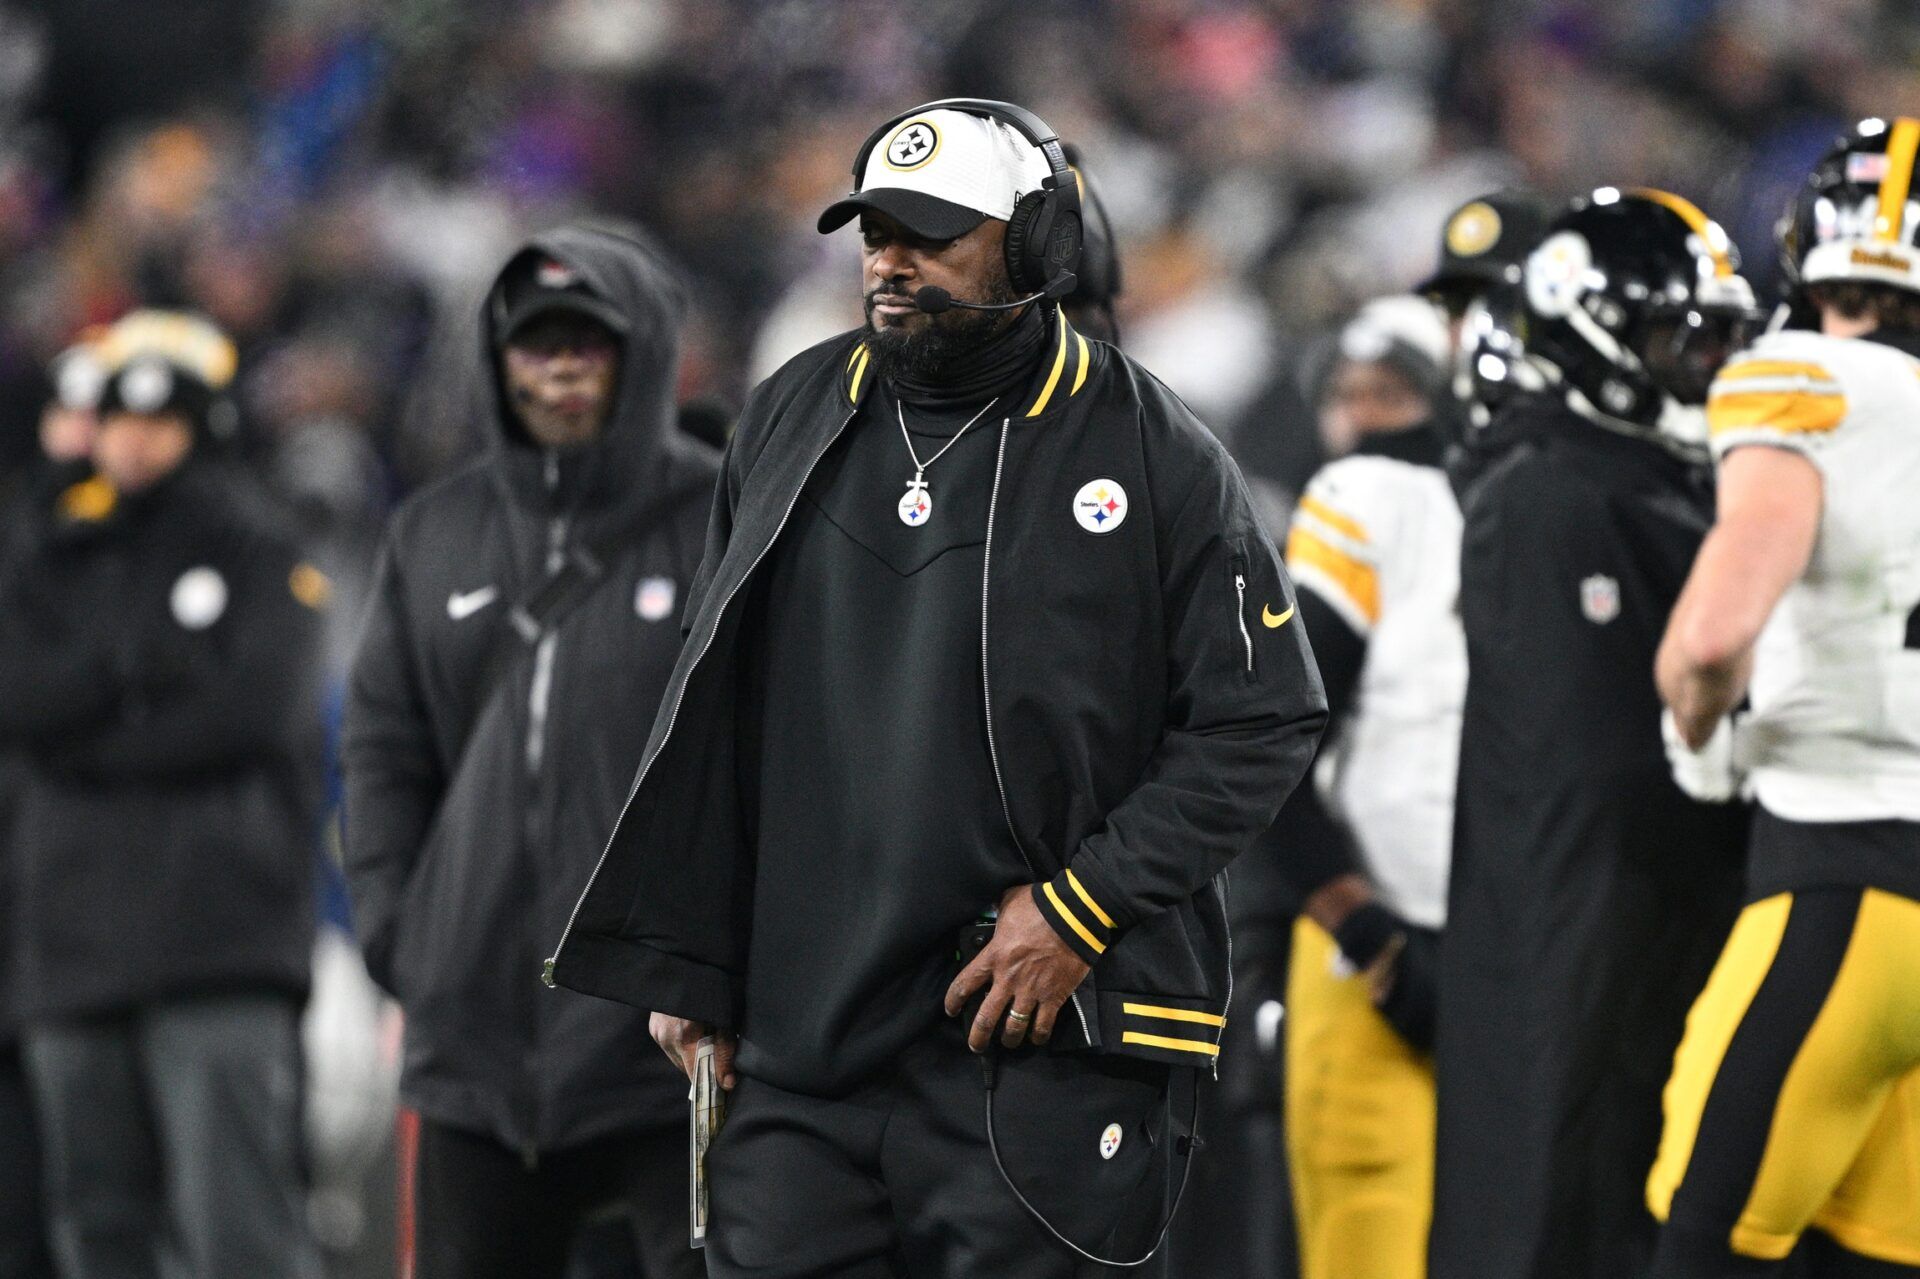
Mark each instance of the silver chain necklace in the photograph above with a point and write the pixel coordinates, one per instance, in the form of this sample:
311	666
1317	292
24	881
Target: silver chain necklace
916	508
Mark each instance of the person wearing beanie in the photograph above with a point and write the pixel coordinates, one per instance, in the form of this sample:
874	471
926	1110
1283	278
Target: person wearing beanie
526	613
161	691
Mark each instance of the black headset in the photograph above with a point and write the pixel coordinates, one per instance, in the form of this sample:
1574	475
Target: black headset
1043	232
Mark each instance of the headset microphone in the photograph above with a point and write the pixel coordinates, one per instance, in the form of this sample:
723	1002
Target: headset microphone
933	300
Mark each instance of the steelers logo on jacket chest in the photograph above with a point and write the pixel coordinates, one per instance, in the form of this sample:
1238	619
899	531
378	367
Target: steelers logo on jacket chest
1100	506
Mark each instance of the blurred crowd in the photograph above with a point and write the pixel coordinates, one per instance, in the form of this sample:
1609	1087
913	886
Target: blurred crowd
335	182
332	181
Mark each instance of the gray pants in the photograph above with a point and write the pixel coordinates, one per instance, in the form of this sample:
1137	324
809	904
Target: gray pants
172	1138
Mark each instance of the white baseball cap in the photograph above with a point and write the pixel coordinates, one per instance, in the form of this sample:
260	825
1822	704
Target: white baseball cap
942	173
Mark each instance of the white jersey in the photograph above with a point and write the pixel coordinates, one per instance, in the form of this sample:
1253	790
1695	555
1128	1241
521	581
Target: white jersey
1379	540
1835	729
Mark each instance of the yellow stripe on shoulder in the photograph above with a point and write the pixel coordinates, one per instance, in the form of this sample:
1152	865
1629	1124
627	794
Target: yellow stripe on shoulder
1358	582
1788	412
859	371
1345	525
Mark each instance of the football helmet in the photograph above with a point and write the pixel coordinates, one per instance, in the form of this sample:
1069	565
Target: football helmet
1855	217
1635	299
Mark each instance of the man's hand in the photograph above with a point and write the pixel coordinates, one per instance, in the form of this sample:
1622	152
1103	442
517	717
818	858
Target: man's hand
1714	771
1027	972
680	1040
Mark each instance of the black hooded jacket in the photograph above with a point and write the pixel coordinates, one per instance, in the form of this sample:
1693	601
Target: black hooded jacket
1147	705
160	692
485	768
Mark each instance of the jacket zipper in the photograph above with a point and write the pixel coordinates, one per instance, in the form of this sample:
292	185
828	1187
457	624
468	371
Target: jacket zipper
1240	616
986	687
673	716
540	691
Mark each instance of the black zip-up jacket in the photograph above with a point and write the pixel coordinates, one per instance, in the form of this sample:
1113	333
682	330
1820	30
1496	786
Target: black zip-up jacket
1148	704
485	771
160	686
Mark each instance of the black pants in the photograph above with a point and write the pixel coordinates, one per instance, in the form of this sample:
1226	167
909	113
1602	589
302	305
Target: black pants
481	1212
897	1181
23	1227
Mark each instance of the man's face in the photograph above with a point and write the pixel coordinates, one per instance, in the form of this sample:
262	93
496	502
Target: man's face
1365	397
560	372
135	451
895	264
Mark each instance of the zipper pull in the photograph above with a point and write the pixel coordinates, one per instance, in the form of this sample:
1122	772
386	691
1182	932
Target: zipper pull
1240	589
546	972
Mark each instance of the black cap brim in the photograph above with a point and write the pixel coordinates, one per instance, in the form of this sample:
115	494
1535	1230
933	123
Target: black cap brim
927	216
551	303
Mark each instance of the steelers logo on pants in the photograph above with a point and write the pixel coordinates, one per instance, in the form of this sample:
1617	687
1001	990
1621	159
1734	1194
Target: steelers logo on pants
1100	506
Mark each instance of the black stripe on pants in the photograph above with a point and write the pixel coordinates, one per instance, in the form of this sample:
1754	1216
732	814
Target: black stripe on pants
1738	1113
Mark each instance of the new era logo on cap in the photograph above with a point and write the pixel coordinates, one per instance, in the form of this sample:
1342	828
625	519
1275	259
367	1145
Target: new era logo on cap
554	274
939	174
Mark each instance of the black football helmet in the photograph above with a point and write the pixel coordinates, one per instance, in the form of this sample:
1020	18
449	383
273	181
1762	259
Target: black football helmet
1635	298
1856	216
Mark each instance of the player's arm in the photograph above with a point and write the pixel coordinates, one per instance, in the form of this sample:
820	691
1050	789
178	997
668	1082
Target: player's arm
1763	534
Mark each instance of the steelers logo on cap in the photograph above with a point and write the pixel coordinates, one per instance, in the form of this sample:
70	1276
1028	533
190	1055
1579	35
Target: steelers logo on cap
912	145
199	597
1473	230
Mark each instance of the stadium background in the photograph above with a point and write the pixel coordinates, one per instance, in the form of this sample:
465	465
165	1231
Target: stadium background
333	181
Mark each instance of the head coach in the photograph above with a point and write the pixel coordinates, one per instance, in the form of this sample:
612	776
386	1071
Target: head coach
987	645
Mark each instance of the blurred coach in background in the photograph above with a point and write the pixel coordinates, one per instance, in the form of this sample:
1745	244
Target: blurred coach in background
161	634
524	623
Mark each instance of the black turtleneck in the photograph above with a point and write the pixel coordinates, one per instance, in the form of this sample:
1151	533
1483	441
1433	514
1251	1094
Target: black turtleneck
995	368
871	801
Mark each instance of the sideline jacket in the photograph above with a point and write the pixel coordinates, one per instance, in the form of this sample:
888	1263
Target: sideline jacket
1148	707
484	770
160	685
1588	896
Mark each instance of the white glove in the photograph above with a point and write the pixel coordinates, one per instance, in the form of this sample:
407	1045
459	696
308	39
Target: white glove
1714	774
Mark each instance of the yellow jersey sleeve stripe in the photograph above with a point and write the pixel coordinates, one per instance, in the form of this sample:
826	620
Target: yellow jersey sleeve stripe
1788	412
1178	1045
1080	890
1059	363
1891	212
1345	525
1080	374
1749	369
859	371
1073	921
1173	1014
1711	237
1358	582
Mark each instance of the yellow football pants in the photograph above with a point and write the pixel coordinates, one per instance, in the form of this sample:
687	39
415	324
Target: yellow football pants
1795	1094
1360	1118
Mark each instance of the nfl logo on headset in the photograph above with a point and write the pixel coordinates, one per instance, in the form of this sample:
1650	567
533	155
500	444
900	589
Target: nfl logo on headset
1600	599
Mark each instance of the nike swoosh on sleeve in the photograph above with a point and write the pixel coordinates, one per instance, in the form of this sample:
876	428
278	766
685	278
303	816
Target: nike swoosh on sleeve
1272	620
461	607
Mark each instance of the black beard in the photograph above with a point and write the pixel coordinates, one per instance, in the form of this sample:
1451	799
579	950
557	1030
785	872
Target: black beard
927	355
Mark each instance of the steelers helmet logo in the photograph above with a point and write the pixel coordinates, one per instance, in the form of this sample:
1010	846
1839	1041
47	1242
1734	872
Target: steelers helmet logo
1557	274
1473	230
912	145
146	386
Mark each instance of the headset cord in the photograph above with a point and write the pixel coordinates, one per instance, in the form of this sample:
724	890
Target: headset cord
1185	1147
